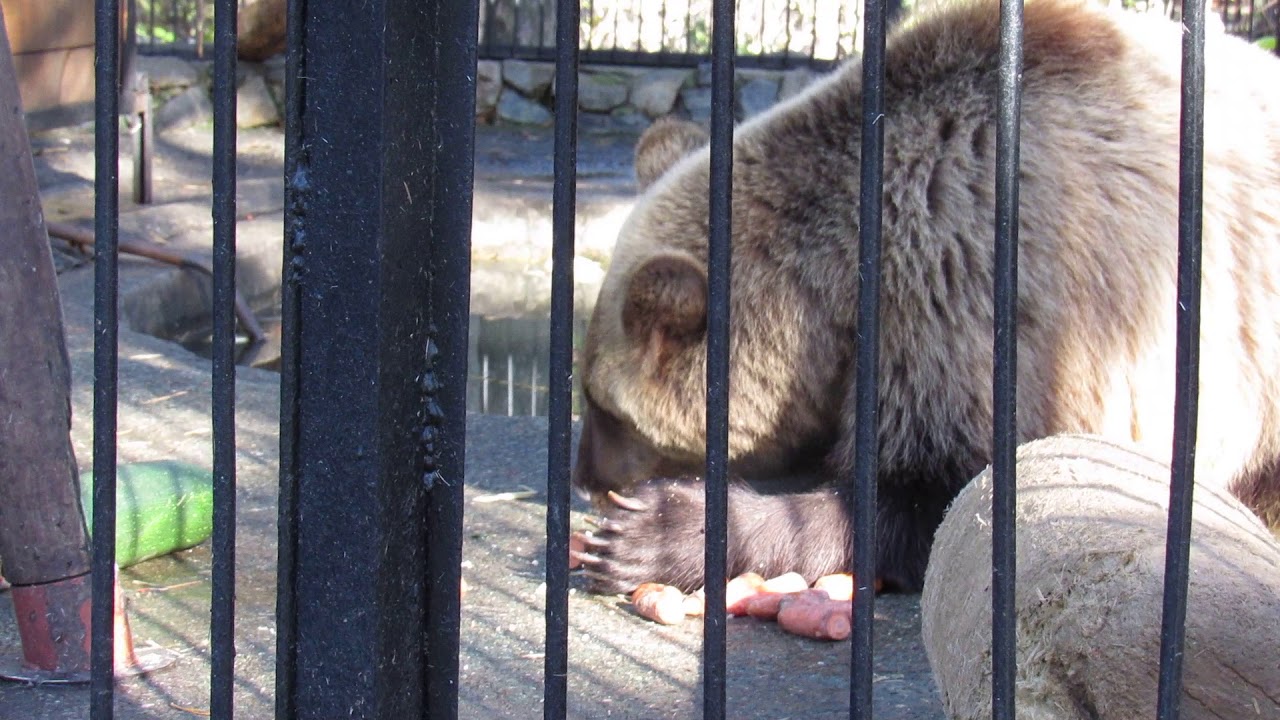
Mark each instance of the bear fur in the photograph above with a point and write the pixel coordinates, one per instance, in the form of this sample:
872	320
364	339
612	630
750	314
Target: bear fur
1095	307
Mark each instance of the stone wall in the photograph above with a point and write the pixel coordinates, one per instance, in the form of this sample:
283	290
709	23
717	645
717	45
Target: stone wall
181	89
507	91
522	91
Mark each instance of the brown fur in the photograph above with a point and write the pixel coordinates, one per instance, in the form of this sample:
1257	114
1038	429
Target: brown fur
1097	258
663	143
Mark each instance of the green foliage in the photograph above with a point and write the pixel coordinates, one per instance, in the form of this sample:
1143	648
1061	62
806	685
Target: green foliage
172	21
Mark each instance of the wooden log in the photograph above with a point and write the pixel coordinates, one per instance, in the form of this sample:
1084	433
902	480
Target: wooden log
1090	577
42	530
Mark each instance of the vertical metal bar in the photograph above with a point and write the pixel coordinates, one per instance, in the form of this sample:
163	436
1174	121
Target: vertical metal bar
200	23
105	360
1182	476
556	663
639	16
450	294
379	260
1005	429
222	608
516	42
786	29
866	462
813	36
296	186
718	258
688	25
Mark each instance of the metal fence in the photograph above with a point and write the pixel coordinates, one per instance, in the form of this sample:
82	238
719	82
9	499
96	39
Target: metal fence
374	366
771	33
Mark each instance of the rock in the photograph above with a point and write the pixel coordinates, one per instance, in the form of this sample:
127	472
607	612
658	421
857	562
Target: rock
654	93
756	95
704	74
532	79
273	69
1090	566
254	105
488	87
601	92
697	103
627	117
189	107
166	72
795	81
516	108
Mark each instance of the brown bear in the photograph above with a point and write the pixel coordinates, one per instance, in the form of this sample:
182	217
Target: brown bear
1095	306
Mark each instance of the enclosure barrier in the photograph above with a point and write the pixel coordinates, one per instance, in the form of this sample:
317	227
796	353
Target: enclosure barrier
373	402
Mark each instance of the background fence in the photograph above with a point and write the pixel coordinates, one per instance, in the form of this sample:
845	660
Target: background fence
779	33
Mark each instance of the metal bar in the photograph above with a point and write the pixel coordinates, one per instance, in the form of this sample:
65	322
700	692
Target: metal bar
450	297
1004	411
866	462
106	218
380	264
718	260
560	377
297	188
1182	475
222	604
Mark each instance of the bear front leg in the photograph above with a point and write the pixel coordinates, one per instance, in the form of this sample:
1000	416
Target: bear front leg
657	536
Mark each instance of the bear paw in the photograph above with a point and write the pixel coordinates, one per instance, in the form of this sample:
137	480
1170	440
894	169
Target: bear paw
654	536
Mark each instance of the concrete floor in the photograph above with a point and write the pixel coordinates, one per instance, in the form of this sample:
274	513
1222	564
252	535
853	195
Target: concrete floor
620	665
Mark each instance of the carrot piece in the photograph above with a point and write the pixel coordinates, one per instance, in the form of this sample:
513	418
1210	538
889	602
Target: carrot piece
660	603
765	606
839	586
832	620
786	583
739	589
695	604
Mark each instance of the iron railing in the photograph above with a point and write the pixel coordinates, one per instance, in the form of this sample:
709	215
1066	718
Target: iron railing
374	365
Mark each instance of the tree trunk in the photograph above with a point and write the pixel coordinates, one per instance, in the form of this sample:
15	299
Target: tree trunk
42	528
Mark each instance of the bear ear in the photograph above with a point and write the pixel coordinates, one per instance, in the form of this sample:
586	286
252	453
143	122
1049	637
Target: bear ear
666	305
663	144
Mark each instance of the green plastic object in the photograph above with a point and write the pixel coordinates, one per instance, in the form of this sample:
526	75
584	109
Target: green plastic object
161	507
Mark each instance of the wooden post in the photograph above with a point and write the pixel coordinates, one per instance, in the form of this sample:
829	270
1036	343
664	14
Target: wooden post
42	529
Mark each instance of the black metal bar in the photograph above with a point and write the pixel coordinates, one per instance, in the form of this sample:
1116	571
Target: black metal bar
380	206
453	164
106	218
222	608
560	376
297	192
866	463
1182	475
454	108
718	258
1004	408
639	27
813	35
